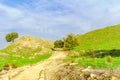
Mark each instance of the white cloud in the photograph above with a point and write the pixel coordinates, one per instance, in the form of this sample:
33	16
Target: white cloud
10	12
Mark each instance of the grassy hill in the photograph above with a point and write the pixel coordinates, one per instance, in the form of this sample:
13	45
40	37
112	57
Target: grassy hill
102	39
26	50
29	45
99	48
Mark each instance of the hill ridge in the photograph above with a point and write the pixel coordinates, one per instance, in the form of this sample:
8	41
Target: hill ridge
103	38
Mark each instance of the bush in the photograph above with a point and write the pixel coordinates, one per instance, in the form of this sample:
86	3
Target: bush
6	67
14	66
109	59
68	42
58	44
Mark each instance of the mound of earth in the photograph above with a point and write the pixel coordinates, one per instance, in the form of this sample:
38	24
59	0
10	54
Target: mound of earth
29	45
30	42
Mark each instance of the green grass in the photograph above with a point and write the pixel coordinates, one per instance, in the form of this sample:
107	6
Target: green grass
106	40
19	61
102	39
109	59
26	50
96	62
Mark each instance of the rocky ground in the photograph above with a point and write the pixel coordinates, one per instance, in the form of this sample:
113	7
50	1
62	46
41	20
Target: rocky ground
55	68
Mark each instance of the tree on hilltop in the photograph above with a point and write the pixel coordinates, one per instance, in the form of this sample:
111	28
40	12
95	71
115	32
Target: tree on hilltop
10	37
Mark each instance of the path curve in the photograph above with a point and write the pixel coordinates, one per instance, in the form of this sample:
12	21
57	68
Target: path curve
34	72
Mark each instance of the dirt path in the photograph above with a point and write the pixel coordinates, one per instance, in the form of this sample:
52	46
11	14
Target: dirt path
35	72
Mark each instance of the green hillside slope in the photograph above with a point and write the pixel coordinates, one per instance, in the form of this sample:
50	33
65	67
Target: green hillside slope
102	39
26	50
29	45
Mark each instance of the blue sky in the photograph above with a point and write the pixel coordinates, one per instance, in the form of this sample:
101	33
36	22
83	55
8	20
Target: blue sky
53	19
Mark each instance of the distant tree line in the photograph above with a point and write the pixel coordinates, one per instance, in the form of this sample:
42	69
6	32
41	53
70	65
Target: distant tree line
69	42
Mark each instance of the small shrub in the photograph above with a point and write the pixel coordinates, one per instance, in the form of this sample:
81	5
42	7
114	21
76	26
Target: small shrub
0	70
14	66
109	59
6	67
